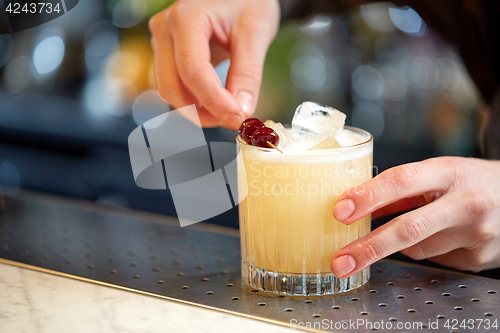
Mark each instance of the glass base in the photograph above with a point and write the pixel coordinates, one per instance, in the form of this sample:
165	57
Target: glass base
301	284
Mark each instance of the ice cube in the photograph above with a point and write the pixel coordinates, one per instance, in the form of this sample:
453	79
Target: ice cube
305	139
329	143
286	140
319	119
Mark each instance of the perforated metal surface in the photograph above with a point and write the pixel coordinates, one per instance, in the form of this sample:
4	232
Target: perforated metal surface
151	254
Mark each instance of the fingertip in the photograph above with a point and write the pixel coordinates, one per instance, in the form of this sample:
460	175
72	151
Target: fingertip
343	266
246	101
343	209
232	120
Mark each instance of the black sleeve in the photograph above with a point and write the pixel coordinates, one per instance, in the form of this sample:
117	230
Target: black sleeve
293	9
490	136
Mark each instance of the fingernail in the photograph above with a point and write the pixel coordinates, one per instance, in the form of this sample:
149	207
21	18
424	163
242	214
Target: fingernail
343	209
245	99
232	120
343	265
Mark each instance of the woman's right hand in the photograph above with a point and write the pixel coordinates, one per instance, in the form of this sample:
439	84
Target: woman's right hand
192	36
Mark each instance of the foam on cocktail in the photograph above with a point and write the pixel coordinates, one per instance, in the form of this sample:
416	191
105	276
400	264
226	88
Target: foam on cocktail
351	143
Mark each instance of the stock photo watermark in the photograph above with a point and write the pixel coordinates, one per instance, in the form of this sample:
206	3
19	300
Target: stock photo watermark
364	324
358	324
26	14
170	152
307	180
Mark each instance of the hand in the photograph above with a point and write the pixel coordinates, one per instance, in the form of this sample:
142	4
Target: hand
457	224
192	36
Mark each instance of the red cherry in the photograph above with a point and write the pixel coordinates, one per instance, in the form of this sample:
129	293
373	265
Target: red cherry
248	127
264	134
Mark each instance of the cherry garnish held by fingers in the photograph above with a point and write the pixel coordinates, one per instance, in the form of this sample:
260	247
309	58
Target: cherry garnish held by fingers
265	137
248	127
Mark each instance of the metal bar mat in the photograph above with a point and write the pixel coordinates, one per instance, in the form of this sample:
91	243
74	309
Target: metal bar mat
150	254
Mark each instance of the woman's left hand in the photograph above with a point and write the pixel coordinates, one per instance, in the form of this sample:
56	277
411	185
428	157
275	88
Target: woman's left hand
457	223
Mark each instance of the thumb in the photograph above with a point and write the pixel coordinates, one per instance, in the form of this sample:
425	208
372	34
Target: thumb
249	46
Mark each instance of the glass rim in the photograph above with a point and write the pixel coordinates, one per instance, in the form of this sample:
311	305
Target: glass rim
242	143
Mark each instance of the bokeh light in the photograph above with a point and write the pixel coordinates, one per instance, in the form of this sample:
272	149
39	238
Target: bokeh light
147	106
376	15
131	63
127	13
449	73
368	82
407	20
422	73
48	54
308	73
318	25
100	40
104	96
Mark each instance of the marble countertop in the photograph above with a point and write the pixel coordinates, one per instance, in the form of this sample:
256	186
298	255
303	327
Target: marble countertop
32	301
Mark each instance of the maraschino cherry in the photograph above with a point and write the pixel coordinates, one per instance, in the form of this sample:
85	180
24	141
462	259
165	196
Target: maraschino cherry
248	127
255	133
265	137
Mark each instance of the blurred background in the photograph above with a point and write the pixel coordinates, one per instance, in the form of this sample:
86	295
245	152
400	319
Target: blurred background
73	89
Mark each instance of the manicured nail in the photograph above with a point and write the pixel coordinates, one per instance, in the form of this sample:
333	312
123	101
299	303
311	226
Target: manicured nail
343	265
343	209
245	99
